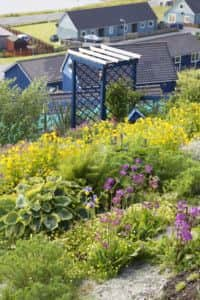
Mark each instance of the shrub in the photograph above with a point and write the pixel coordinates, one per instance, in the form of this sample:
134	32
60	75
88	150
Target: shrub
121	99
20	111
37	269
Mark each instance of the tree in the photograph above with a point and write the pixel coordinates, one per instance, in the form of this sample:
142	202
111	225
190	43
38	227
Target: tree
121	99
20	111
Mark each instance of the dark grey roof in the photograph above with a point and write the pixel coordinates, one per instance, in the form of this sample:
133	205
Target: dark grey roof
178	44
47	67
155	64
194	5
107	16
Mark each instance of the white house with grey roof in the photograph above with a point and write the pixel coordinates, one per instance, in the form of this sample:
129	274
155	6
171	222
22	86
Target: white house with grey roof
4	34
107	21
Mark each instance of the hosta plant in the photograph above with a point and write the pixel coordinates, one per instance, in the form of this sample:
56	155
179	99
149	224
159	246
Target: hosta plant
42	206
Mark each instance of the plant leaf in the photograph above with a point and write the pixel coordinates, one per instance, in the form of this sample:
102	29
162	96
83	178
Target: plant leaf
11	218
64	214
51	221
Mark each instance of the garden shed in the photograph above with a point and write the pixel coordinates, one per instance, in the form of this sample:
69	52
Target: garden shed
88	71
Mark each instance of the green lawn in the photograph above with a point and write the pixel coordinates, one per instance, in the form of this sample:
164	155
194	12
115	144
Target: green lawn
159	11
42	31
10	60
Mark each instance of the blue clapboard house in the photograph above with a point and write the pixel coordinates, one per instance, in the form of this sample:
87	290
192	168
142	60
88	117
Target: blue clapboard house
183	12
107	21
48	68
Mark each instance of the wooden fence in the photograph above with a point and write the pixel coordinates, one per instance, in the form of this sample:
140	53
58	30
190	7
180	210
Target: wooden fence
38	46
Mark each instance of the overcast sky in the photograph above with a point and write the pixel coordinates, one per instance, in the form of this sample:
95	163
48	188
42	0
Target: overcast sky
16	6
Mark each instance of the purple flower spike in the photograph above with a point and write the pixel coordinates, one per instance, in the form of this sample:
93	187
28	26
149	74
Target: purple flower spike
138	161
125	167
134	168
138	178
120	193
182	205
110	182
148	169
116	200
123	173
194	211
129	190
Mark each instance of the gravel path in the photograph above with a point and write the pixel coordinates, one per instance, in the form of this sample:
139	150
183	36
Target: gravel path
141	282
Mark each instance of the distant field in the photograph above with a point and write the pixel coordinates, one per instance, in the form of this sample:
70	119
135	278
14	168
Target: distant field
42	31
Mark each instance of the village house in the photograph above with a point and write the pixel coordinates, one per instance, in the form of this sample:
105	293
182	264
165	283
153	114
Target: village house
184	49
183	12
47	68
107	21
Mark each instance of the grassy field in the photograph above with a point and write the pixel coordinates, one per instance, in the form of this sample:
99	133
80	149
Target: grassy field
42	31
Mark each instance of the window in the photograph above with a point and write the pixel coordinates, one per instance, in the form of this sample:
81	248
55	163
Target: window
111	30
150	23
172	18
181	6
195	57
83	33
142	24
177	59
187	19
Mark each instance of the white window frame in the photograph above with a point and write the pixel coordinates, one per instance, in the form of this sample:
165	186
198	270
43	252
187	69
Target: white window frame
151	23
173	16
111	29
142	24
195	57
177	60
125	27
187	19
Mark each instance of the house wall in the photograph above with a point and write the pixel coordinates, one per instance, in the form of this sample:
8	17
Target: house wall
18	76
3	42
118	30
166	87
181	12
66	29
186	63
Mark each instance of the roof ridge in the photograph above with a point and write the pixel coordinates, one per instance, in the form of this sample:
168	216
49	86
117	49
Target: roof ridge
39	58
107	7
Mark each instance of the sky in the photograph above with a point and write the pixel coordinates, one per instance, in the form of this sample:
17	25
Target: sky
18	6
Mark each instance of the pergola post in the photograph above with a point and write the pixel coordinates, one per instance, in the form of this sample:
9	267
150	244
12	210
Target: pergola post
103	94
73	105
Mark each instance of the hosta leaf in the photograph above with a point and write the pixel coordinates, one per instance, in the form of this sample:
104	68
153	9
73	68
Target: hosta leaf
35	225
61	201
10	231
11	218
51	221
2	225
64	214
19	229
21	201
25	217
46	206
36	206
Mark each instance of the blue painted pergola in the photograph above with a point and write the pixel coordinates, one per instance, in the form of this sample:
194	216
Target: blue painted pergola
93	69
